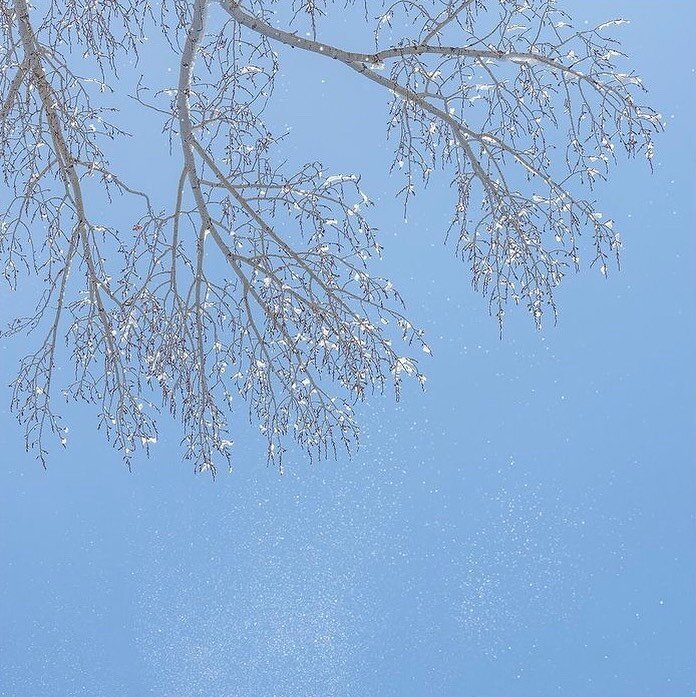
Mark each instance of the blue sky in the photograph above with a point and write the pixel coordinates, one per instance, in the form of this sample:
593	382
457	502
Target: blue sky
524	528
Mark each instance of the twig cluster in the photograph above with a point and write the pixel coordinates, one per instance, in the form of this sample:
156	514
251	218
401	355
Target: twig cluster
256	282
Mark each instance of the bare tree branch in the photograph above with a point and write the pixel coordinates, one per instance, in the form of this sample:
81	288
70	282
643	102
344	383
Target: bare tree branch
253	281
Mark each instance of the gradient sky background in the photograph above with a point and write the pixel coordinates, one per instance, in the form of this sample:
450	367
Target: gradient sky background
525	528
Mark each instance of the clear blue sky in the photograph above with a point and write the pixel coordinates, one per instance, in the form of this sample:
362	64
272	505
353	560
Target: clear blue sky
525	528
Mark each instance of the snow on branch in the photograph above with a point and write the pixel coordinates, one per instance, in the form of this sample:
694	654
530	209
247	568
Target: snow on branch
255	281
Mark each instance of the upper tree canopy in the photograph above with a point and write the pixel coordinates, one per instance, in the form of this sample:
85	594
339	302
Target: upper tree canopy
255	280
